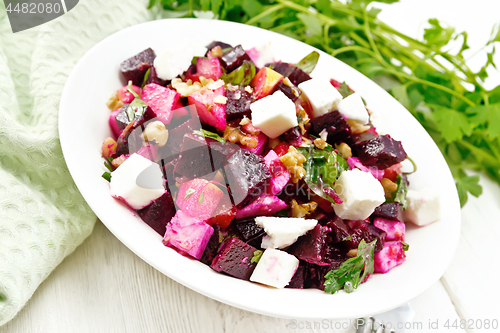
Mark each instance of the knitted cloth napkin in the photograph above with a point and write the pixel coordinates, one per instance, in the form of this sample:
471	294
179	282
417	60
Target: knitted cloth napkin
43	217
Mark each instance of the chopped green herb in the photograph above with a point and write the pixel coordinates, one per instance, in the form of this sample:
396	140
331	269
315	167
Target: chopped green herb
308	63
110	159
210	135
353	271
146	76
405	246
107	176
282	213
347	239
189	192
106	164
200	198
400	194
241	75
344	90
256	256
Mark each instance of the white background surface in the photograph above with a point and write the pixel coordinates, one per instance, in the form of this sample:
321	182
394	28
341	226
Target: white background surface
104	287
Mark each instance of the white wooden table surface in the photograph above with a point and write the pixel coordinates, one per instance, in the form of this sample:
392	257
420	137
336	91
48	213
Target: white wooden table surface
104	287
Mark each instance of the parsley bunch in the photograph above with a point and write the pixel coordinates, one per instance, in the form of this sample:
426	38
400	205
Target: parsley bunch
431	81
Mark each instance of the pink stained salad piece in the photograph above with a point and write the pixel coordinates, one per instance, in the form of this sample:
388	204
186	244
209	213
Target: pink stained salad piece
261	141
125	96
199	198
265	205
278	170
354	162
187	235
208	68
395	230
163	101
391	255
112	123
210	112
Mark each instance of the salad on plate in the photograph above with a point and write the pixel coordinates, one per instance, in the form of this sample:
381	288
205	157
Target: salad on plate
259	169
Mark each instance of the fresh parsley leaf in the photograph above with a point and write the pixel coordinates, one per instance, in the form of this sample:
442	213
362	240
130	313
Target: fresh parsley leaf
256	256
437	35
468	184
189	192
107	176
241	75
344	90
210	135
308	63
353	271
399	195
405	246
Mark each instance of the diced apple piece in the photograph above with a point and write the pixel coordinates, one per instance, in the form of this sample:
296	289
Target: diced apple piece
210	112
275	268
199	198
389	257
162	101
266	204
264	82
278	170
208	68
188	235
125	96
394	230
137	181
112	123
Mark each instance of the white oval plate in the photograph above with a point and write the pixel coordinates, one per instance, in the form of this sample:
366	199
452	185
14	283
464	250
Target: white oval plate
83	125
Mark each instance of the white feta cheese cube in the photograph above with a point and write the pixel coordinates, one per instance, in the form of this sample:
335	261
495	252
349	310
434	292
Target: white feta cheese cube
274	114
423	207
137	181
360	192
354	109
275	268
174	61
321	94
283	231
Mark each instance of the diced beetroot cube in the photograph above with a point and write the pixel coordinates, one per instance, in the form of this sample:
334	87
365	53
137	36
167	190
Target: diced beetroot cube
391	211
199	198
261	141
238	104
208	68
339	228
112	124
389	257
297	281
312	246
187	235
381	152
122	120
361	230
176	137
293	137
394	230
278	170
221	152
294	74
148	151
217	43
125	96
247	176
233	58
336	126
195	157
290	91
249	230
159	213
212	246
163	101
234	258
210	113
265	205
134	68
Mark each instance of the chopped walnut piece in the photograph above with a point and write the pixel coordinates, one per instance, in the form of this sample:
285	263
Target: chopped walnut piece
304	119
155	131
235	135
244	121
293	161
320	144
344	150
220	99
114	102
304	209
249	89
389	187
357	128
217	51
353	252
185	88
119	160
